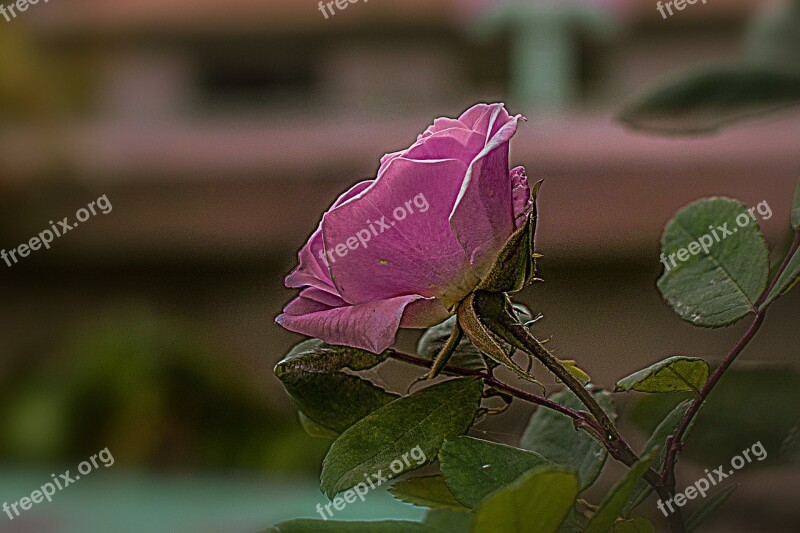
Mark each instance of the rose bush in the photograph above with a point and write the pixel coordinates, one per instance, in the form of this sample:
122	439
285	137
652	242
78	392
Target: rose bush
414	273
469	245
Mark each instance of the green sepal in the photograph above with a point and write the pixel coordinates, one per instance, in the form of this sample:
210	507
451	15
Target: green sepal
483	339
515	265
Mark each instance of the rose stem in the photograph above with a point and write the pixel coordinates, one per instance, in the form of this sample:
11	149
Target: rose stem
674	442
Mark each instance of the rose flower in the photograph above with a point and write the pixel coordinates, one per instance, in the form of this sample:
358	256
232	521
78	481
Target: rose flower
403	250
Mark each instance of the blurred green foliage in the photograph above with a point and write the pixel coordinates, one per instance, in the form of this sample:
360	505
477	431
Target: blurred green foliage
748	406
706	99
158	393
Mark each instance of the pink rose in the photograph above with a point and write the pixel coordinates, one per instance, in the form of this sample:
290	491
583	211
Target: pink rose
404	249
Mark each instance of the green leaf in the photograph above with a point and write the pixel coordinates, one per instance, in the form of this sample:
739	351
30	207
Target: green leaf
791	275
786	282
466	355
572	368
542	498
515	265
474	468
312	374
418	423
703	101
637	525
316	430
701	515
571	524
553	436
426	491
720	287
614	503
657	442
304	525
315	355
675	374
481	336
440	521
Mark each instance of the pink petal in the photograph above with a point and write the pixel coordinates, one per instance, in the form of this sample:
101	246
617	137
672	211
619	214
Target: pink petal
424	313
303	306
312	300
354	191
312	271
486	119
454	143
370	326
462	139
441	124
416	255
386	159
483	217
473	117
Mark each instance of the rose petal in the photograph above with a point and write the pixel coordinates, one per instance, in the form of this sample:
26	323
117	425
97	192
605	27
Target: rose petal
442	128
473	117
312	300
312	271
454	143
424	313
370	326
486	119
354	191
417	255
483	217
386	159
303	306
441	124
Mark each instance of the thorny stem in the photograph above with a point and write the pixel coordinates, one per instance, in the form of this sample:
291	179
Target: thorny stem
579	416
674	443
598	423
619	449
532	345
613	441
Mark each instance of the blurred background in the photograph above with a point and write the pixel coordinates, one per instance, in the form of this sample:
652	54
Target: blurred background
220	132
